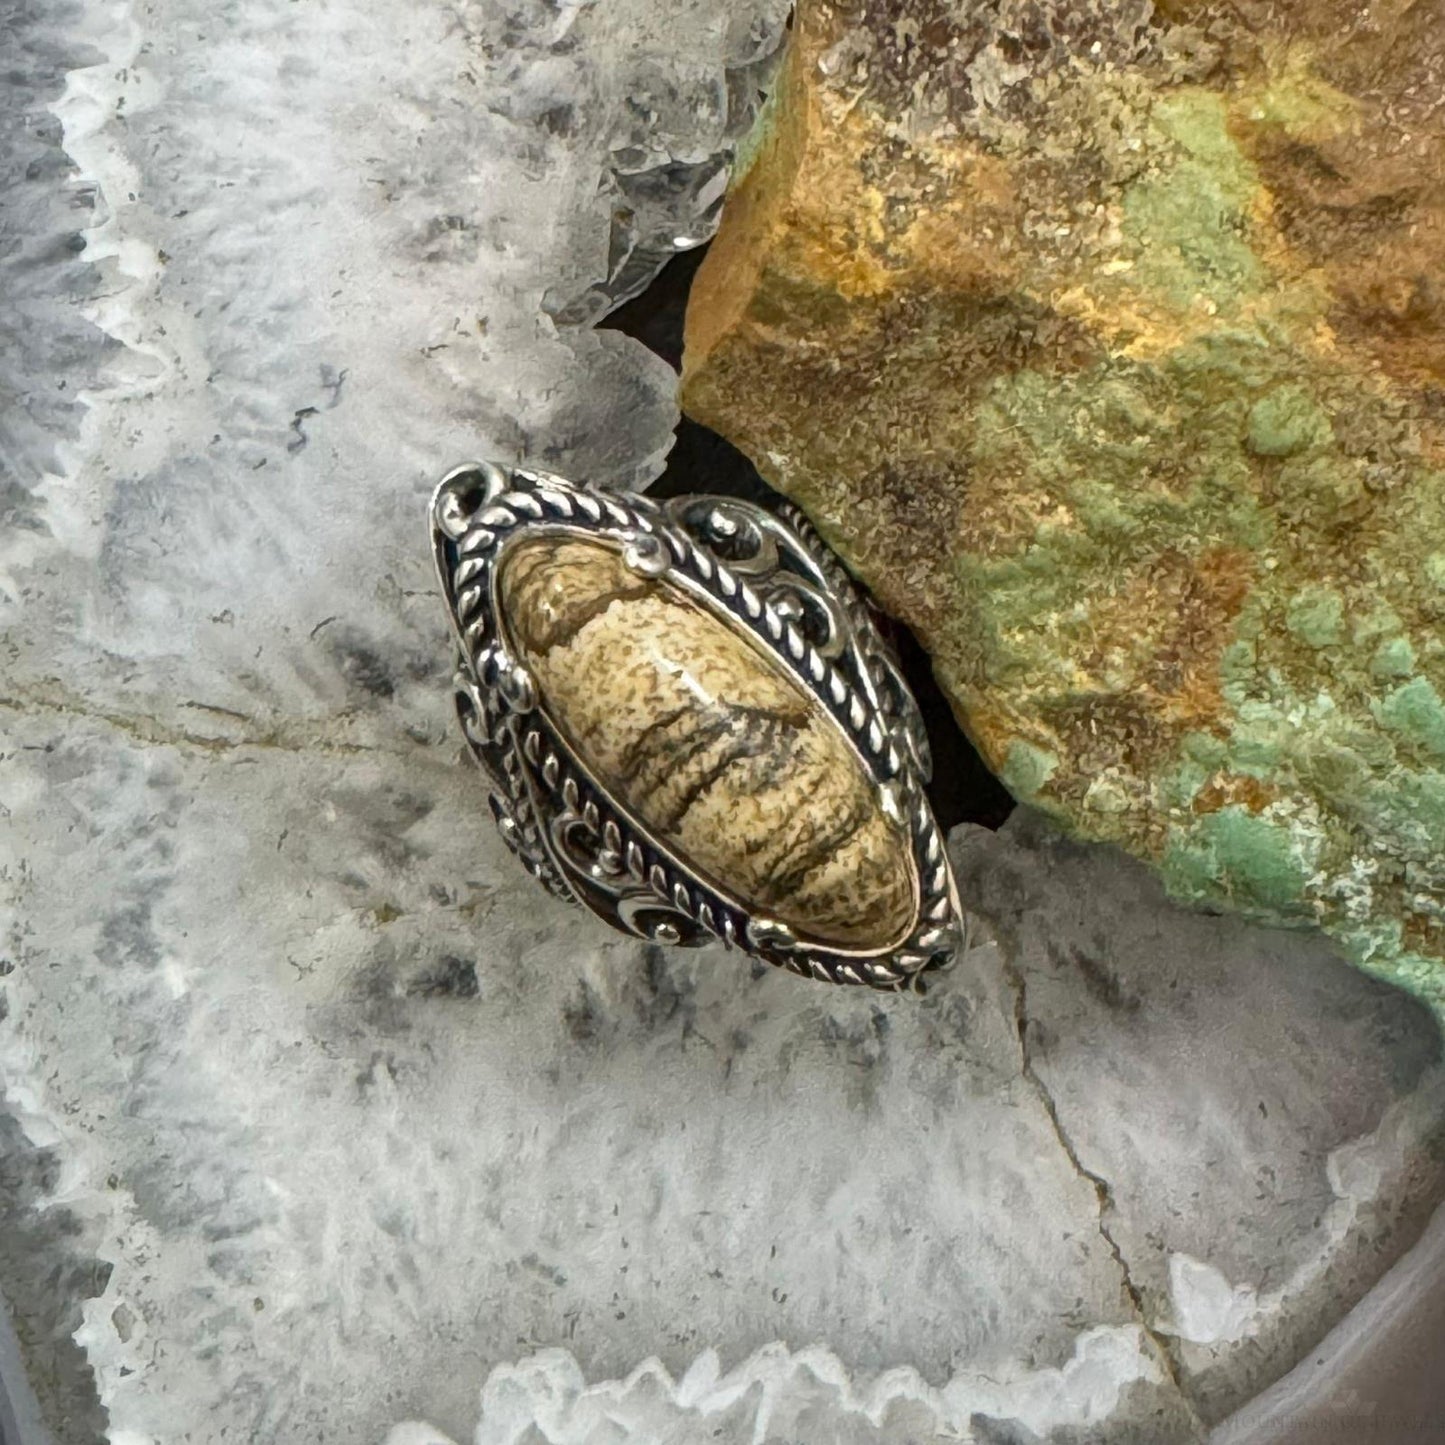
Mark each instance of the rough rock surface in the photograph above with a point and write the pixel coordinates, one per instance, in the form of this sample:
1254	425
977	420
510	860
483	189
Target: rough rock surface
1106	341
318	1118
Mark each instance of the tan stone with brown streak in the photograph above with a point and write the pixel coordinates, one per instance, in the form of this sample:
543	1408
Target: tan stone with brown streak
709	743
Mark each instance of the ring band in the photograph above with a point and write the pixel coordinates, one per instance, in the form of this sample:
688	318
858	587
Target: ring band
692	726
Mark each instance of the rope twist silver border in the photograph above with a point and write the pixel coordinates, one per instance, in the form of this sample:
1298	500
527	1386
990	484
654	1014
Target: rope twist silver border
769	576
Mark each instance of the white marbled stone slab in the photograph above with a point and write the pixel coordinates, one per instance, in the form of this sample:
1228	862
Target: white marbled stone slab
318	1119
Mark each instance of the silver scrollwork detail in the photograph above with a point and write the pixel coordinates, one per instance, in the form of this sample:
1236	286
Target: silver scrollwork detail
774	559
578	848
769	576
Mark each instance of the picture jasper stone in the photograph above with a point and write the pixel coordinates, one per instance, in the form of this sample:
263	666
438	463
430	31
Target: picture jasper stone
709	743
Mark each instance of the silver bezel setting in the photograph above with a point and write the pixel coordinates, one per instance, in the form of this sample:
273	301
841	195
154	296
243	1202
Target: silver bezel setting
768	576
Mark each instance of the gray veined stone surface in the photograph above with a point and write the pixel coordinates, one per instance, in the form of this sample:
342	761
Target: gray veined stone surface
319	1123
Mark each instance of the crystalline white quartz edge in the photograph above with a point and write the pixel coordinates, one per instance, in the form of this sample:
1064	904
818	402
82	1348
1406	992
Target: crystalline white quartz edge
1206	1308
546	1397
1374	1374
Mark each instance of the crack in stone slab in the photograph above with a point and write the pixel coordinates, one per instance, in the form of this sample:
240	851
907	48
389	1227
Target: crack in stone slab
1103	1193
283	735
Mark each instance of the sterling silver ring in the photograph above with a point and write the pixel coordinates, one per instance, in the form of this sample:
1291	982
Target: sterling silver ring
692	726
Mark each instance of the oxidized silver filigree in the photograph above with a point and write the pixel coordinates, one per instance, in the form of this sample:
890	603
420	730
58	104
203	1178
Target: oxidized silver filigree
769	577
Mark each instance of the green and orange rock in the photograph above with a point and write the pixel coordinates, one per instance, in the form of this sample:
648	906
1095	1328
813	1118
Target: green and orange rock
1106	342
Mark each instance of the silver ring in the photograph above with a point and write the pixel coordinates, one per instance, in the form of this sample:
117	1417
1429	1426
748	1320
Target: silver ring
692	726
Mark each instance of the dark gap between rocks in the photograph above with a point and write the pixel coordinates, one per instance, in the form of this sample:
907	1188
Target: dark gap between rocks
963	790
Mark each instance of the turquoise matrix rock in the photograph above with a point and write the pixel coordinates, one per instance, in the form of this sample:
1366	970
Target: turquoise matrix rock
1107	344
